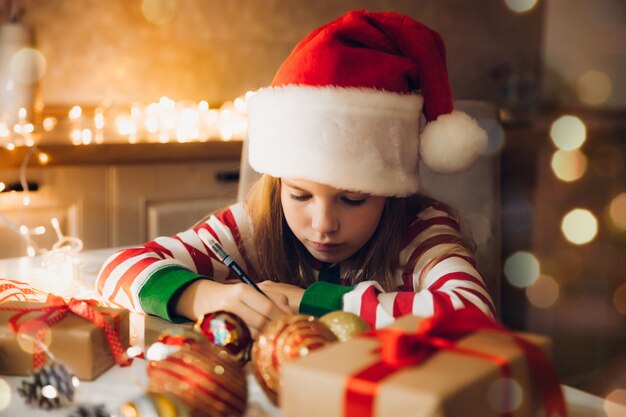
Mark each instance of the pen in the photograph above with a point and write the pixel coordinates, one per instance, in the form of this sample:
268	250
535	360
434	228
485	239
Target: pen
227	260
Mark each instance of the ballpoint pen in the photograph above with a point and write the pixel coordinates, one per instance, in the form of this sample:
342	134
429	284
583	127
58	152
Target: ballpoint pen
227	260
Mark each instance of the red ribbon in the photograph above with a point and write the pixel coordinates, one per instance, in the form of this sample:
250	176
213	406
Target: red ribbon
54	311
400	349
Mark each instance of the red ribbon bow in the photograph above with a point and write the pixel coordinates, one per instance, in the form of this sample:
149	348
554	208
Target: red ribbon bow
54	311
400	349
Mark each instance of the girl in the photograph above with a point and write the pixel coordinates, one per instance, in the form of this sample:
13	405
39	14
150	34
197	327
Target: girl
336	222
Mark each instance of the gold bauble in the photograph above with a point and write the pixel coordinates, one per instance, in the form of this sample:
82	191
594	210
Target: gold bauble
344	325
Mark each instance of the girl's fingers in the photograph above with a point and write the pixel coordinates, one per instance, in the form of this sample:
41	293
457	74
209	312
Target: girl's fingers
252	318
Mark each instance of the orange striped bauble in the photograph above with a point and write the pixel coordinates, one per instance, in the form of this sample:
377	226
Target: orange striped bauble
208	381
282	341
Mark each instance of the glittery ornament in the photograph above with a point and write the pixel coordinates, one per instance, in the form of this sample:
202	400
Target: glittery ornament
228	331
208	381
172	340
154	405
344	324
52	386
284	340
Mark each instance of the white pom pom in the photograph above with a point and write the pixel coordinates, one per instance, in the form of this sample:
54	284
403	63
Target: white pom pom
452	143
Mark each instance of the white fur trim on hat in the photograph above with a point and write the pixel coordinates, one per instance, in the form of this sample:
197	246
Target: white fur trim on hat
350	138
452	143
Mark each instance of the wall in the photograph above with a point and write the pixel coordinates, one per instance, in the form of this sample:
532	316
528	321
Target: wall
218	50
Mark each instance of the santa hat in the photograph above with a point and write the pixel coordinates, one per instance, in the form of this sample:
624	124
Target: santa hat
344	109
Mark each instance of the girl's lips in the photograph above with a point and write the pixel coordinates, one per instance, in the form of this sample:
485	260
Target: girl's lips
324	247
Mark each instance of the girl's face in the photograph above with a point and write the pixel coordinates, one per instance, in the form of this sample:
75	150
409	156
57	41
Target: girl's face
332	224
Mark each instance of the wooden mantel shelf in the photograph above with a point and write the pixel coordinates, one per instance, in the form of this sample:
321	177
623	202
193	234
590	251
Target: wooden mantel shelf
126	153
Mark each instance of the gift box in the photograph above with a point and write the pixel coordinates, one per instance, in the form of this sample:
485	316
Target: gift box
427	376
82	345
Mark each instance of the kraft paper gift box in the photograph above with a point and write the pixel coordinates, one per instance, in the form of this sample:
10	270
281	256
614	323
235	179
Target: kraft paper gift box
445	384
76	342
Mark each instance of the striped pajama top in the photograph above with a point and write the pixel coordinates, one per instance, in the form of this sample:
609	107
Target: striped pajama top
436	271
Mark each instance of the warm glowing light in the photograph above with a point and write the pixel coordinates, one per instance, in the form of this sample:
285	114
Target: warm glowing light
4	130
22	113
49	123
594	88
75	112
75	135
579	226
617	211
29	128
49	391
133	351
203	106
2	186
569	166
86	136
26	200
520	6
521	269
28	65
98	118
240	105
568	133
43	158
544	292
615	403
505	395
619	299
29	142
39	230
5	394
30	251
10	146
159	12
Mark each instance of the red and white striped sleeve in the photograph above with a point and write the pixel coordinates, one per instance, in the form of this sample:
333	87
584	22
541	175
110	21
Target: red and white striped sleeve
437	274
182	257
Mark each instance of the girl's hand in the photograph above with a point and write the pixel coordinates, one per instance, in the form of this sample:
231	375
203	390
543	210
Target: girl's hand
204	296
292	292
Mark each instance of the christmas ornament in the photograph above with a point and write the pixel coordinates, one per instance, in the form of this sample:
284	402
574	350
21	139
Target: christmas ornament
172	340
208	381
228	331
344	324
154	405
52	386
282	341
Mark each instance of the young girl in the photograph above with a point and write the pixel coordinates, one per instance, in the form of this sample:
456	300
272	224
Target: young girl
336	222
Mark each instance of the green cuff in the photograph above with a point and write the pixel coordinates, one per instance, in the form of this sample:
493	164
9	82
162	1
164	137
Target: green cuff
158	294
323	297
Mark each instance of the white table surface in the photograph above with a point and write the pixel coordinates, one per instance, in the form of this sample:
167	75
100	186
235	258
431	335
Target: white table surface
119	385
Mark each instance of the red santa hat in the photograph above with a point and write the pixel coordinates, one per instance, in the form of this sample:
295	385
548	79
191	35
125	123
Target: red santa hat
344	108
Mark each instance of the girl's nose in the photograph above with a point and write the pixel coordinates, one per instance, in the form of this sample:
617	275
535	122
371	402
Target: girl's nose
324	219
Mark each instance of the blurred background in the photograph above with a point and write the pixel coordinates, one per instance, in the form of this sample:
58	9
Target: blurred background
124	119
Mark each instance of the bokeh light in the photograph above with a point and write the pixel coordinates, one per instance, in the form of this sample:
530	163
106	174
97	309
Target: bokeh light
617	211
520	6
5	394
26	336
568	132
521	269
569	166
28	65
544	292
579	226
594	88
607	161
505	395
615	403
619	299
159	12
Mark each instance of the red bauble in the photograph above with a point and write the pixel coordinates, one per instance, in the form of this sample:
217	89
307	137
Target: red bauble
228	331
282	341
207	380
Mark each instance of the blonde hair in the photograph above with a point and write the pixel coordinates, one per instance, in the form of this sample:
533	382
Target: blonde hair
281	256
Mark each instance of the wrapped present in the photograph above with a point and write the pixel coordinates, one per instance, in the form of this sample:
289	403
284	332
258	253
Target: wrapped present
459	364
87	338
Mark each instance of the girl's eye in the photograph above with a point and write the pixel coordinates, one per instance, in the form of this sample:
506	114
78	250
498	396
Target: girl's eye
303	197
353	202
